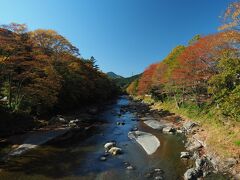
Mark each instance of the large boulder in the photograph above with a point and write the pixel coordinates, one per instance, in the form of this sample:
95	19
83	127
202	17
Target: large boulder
149	142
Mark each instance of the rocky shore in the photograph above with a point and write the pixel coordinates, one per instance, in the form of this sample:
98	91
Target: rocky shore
205	162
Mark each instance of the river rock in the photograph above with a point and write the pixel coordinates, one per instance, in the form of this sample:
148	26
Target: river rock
193	145
189	125
103	158
155	174
154	124
130	167
230	162
158	178
168	130
74	121
191	174
146	118
109	145
120	123
185	155
200	163
149	142
115	151
58	119
134	129
179	131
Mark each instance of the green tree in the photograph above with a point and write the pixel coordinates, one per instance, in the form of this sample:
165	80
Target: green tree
225	86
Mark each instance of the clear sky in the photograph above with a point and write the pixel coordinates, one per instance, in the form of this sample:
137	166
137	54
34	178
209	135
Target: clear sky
125	36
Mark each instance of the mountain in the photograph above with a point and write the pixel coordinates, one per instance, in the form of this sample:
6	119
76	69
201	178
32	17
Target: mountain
112	75
123	83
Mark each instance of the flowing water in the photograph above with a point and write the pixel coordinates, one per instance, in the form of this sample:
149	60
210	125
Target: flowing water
81	159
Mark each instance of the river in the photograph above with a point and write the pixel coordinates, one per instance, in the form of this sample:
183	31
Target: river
81	159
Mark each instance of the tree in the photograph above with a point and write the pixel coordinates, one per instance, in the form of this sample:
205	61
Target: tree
14	48
15	28
133	87
52	43
225	85
41	70
194	39
145	82
198	62
92	63
231	17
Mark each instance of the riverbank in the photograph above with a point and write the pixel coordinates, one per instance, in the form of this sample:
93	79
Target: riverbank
16	140
217	140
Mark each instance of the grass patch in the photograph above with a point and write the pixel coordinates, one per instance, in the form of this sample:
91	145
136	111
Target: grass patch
237	143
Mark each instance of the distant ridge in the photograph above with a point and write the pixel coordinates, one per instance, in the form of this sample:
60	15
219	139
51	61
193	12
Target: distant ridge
121	81
112	75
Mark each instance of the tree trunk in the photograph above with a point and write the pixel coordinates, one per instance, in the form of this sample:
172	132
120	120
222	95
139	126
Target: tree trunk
10	90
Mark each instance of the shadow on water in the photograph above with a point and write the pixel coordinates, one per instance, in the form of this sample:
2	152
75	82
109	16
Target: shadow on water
81	159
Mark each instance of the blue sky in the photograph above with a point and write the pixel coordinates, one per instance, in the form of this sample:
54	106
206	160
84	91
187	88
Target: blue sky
125	36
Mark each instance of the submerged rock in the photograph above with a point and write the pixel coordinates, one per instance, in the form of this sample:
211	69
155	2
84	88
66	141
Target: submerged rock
120	123
103	158
155	174
149	142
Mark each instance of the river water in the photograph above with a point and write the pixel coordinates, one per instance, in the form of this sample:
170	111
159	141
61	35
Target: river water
81	159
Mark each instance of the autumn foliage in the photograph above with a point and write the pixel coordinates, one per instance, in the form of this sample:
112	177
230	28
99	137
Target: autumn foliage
41	70
195	73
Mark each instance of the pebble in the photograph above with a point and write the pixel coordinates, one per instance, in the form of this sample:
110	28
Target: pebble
103	158
130	167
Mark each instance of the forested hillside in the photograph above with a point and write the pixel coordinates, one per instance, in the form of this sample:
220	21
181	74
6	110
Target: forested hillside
204	74
123	82
201	81
42	71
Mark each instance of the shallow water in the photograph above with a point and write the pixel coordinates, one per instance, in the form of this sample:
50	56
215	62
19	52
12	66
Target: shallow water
81	159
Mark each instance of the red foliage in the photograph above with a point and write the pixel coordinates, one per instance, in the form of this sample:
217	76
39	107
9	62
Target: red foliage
145	82
198	61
